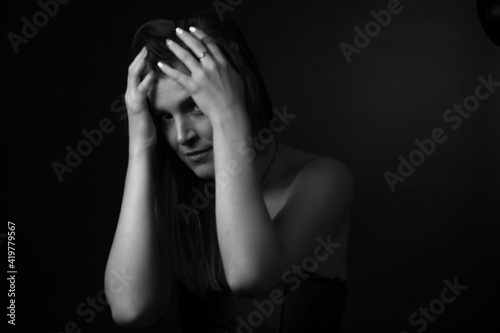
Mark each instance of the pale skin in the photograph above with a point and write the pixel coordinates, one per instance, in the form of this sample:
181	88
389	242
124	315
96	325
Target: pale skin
261	232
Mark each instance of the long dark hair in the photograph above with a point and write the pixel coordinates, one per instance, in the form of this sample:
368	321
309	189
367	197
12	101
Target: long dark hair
186	228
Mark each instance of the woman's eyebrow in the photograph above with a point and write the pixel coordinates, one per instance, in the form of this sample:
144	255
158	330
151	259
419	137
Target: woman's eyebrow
185	104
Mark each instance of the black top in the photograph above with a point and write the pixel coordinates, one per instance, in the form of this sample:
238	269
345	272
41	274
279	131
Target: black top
314	304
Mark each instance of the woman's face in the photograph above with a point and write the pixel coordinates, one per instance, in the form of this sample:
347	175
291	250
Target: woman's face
185	128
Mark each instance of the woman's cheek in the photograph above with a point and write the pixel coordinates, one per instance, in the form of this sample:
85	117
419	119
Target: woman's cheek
169	135
206	129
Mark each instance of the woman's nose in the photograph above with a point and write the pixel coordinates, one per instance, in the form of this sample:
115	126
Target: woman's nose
185	131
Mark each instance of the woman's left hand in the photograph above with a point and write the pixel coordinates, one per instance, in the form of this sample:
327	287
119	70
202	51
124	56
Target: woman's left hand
214	84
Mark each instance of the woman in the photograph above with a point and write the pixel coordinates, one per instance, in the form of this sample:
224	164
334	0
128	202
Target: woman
222	228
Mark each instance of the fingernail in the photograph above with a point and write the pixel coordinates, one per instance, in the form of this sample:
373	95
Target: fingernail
169	42
192	29
178	30
160	64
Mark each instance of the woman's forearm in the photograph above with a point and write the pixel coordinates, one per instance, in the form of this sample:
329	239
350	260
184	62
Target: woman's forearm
248	240
137	283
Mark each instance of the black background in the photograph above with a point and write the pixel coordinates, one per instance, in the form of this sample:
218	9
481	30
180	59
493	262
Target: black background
441	223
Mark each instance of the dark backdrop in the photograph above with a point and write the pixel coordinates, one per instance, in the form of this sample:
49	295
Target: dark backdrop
440	224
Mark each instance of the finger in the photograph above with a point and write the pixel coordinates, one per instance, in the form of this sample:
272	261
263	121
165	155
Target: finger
195	44
178	76
142	54
187	58
136	68
209	43
146	83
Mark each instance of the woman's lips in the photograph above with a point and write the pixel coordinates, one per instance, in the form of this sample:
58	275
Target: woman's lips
198	156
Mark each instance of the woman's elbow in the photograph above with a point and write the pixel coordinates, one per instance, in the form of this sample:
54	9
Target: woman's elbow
250	285
127	320
130	317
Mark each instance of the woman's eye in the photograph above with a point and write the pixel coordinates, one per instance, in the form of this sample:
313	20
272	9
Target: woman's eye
196	110
166	116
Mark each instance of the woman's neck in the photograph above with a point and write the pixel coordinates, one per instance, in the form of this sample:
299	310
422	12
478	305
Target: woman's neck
264	163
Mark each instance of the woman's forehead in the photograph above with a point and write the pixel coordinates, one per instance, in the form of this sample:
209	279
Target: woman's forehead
167	94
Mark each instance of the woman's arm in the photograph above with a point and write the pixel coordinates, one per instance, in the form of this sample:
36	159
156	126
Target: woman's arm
248	240
138	283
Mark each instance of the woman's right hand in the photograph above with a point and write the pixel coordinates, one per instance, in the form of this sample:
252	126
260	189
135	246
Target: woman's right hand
142	130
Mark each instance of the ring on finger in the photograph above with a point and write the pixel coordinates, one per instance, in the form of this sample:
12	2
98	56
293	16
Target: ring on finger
203	54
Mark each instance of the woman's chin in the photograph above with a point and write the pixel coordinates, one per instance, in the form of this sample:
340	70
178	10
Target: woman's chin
205	171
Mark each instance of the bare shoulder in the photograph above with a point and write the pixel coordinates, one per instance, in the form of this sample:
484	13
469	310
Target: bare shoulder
304	179
318	170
